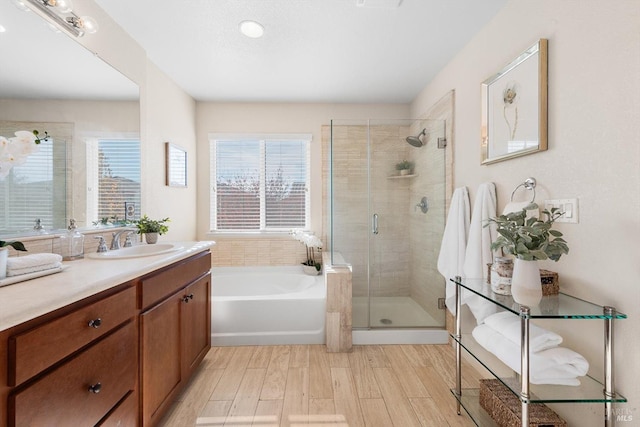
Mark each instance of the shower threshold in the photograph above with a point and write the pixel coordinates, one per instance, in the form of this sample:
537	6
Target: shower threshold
394	320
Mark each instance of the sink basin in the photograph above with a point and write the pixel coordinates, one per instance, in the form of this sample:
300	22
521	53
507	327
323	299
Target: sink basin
136	251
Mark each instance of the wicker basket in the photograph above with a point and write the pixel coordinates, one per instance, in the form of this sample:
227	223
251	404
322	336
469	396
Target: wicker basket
548	279
505	408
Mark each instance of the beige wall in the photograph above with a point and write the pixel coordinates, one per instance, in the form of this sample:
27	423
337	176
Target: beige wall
167	113
273	118
594	155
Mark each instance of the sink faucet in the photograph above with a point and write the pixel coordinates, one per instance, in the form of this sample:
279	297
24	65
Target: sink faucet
115	242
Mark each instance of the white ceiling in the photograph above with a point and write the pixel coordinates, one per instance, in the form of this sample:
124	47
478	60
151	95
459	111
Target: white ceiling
312	50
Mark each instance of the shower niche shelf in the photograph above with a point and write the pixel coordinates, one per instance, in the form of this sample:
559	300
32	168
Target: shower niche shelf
413	175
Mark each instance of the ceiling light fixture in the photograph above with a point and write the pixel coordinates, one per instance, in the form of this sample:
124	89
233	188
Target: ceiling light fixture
251	29
60	13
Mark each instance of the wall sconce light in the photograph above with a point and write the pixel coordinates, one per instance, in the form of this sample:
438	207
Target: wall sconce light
60	13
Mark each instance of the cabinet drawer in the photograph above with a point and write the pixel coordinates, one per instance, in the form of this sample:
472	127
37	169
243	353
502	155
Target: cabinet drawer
158	286
35	350
63	397
124	415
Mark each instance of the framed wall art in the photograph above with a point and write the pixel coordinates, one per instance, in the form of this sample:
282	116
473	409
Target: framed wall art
176	165
514	107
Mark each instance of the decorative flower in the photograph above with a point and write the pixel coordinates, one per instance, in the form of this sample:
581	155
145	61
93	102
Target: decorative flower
14	151
511	98
312	242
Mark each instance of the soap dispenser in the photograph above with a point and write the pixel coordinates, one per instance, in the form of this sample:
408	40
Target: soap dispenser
72	243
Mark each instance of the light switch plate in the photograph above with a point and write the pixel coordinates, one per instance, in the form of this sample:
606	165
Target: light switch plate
568	206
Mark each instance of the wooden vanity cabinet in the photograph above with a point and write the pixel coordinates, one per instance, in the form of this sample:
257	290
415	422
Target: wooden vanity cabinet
175	331
117	358
75	366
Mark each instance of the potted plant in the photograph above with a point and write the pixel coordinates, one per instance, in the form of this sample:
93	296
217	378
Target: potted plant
4	254
312	243
404	167
151	228
528	240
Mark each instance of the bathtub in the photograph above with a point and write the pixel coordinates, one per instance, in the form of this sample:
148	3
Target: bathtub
266	305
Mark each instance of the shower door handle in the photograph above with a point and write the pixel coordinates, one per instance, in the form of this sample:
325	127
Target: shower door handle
374	227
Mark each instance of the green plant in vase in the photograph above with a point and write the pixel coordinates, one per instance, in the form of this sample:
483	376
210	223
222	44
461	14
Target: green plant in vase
151	228
528	240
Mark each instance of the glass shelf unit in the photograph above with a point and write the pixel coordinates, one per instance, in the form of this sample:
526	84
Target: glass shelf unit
560	307
470	401
590	390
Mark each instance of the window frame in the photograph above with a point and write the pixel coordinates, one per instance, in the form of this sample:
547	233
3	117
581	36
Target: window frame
263	138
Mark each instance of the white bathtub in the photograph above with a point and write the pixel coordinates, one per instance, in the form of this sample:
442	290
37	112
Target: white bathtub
266	305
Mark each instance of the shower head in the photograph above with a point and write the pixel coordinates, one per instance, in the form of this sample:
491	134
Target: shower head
415	140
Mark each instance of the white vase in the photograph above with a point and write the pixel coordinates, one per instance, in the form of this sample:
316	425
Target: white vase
526	287
404	172
4	255
151	238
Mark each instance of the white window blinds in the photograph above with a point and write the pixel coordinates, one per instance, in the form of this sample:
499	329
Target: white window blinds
34	190
259	183
113	167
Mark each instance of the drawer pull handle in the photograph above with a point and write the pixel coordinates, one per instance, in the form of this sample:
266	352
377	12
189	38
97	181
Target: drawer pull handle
95	323
95	388
186	298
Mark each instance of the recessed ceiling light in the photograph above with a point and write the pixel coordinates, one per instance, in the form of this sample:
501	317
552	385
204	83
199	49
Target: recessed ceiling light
251	29
2	29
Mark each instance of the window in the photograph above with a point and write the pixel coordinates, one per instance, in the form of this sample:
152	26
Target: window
259	183
113	178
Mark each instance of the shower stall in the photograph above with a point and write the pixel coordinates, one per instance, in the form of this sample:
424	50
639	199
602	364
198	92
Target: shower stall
386	223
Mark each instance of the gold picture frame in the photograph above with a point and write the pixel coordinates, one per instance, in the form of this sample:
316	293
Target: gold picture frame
514	107
175	165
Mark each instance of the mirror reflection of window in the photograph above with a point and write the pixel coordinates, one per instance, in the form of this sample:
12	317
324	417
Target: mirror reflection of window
113	179
35	190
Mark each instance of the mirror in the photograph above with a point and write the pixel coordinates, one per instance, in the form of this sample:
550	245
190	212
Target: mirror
514	107
51	83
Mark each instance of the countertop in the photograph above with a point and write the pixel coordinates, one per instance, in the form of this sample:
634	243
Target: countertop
27	300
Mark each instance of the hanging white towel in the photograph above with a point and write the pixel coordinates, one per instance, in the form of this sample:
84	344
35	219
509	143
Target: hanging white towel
556	365
508	324
454	243
478	253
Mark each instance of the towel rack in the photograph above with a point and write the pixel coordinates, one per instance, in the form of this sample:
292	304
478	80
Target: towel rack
528	184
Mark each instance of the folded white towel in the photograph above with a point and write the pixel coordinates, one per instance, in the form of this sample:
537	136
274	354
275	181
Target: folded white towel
32	260
20	271
508	324
556	365
454	243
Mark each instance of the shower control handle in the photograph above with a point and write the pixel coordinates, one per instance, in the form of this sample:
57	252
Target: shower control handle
374	228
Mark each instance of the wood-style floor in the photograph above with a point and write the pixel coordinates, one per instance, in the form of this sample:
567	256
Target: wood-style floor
303	385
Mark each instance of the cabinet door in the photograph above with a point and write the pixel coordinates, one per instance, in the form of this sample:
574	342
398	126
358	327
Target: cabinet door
196	324
160	356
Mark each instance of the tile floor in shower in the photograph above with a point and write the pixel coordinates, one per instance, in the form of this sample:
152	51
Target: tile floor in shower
392	312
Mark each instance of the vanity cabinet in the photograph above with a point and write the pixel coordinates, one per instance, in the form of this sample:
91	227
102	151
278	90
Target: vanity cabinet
75	366
175	331
116	358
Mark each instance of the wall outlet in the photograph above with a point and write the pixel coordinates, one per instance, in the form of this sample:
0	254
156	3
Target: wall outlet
129	211
568	206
